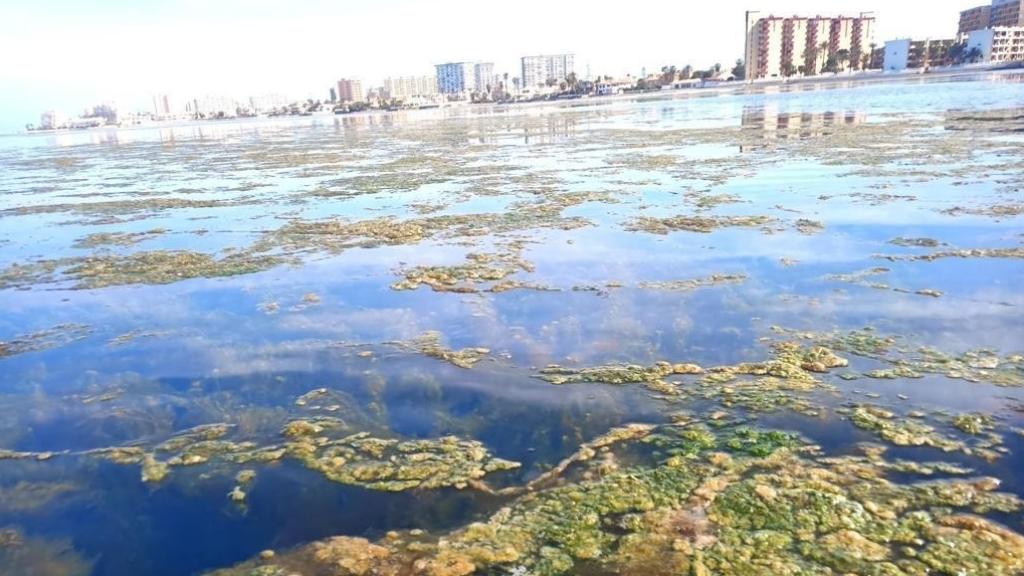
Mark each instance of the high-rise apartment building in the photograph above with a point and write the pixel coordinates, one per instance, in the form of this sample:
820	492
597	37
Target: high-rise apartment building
454	77
405	87
976	18
483	76
461	77
350	91
539	70
1006	13
789	46
1000	13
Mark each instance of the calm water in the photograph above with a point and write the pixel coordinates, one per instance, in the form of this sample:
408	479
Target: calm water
108	352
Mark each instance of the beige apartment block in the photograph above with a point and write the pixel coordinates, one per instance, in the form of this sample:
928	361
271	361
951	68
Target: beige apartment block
803	46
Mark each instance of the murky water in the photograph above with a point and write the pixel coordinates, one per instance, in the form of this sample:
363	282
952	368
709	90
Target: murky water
415	276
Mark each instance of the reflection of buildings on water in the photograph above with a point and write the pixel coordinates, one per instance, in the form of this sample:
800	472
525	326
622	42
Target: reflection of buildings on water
549	129
772	124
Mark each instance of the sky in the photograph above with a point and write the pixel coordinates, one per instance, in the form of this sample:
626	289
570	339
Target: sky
70	54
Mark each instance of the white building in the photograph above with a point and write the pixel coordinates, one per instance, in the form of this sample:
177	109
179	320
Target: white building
52	120
166	106
214	106
998	45
897	55
267	102
483	76
538	70
462	77
408	87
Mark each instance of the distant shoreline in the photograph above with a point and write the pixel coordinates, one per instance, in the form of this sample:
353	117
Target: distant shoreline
719	88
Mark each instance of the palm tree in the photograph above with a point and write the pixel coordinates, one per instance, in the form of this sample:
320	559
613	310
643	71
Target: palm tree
822	49
842	57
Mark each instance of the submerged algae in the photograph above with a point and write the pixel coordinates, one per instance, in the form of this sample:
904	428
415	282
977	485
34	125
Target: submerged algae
26	556
44	339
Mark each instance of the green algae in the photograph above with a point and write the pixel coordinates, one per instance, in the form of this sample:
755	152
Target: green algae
782	511
473	276
986	445
777	384
394	465
973	424
355	459
907	361
429	344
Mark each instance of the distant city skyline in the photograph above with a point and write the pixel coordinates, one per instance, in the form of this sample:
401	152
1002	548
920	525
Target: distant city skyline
67	55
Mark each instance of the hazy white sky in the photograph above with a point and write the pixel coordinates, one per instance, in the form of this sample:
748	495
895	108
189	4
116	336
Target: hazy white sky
67	54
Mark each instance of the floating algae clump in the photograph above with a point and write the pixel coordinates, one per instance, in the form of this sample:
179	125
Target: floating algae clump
162	267
357	459
907	362
609	374
155	267
791	369
395	465
702	224
709	513
429	344
693	284
117	238
973	424
478	270
910	432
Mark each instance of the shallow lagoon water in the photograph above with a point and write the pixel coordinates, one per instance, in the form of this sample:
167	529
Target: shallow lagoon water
611	224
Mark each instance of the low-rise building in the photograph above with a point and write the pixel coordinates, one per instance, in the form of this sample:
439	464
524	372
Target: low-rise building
907	54
998	45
